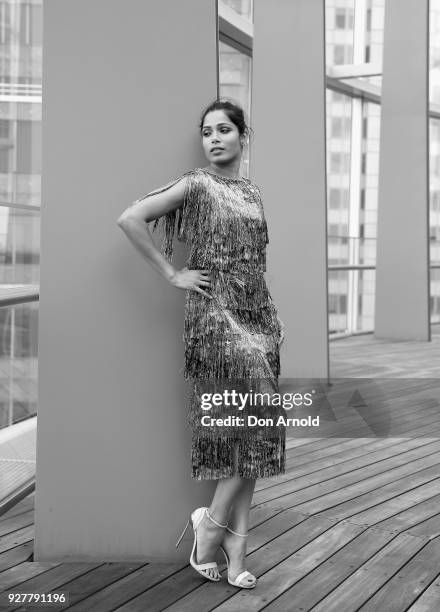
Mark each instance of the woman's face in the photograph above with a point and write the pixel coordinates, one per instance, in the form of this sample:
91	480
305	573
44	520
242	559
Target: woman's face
220	138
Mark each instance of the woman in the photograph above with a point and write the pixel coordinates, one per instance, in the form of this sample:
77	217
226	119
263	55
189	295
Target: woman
232	332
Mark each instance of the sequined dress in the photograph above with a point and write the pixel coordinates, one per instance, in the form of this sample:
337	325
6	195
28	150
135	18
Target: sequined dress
231	341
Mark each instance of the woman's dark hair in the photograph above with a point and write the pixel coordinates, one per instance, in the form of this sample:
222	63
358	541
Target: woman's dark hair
234	112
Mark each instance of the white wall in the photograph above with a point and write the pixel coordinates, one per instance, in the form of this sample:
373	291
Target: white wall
288	162
124	85
402	268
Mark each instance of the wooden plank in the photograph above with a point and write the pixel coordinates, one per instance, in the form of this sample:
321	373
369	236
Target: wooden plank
406	425
23	571
347	472
186	581
16	555
404	415
404	587
414	515
372	575
258	562
292	450
286	573
20	536
319	462
316	585
23	505
51	579
355	451
429	600
16	522
390	507
355	498
320	582
403	409
430	526
89	584
124	589
346	500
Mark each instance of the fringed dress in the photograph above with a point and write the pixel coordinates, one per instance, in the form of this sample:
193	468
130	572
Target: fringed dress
232	340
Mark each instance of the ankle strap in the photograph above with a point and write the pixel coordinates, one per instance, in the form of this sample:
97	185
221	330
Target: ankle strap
237	534
213	520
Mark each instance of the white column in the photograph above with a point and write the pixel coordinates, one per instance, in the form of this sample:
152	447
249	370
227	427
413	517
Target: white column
288	162
402	270
124	87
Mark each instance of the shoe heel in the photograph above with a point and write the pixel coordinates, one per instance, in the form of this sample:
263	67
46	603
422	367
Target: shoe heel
226	556
182	534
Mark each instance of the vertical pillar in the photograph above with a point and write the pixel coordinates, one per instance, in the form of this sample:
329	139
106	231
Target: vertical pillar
288	163
124	86
402	267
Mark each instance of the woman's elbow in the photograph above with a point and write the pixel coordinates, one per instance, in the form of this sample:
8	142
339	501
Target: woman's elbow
124	217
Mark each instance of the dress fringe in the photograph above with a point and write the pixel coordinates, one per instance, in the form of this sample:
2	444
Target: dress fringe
232	339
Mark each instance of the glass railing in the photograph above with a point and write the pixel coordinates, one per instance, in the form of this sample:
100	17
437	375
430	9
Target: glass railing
19	278
18	362
351	284
351	299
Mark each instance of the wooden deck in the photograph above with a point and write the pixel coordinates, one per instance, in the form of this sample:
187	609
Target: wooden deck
354	524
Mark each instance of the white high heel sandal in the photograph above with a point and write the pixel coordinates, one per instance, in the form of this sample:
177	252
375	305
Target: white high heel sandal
238	582
202	568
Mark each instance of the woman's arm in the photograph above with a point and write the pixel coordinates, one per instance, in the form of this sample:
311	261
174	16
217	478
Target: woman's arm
133	223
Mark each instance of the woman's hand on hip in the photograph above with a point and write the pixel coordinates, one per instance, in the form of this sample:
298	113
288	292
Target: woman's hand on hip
195	280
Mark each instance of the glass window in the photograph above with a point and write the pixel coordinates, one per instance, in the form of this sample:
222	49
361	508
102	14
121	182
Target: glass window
340	126
235	75
434	51
375	15
20	183
338	197
339	35
340	162
341	54
344	18
244	8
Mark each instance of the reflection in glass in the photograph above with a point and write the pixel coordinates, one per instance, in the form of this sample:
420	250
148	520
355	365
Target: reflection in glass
338	167
20	101
370	172
18	362
434	216
339	35
235	75
434	51
20	191
19	246
339	109
434	302
243	8
351	311
351	292
374	26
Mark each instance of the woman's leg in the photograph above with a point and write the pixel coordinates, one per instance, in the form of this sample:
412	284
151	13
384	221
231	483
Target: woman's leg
210	535
230	504
235	546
